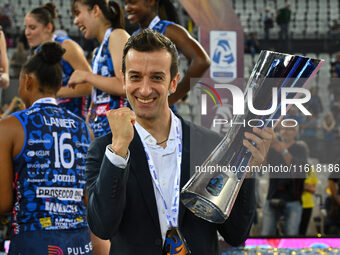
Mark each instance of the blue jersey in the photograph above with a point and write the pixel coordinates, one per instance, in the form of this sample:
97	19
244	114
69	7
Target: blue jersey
49	178
77	105
159	27
102	100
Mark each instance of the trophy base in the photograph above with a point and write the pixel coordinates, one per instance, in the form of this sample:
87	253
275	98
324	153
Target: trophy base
202	207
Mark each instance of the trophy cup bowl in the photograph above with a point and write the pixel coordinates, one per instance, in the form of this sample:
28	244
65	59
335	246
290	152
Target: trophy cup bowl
211	196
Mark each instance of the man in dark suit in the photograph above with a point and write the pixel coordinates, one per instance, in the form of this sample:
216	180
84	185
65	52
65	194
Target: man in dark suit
134	174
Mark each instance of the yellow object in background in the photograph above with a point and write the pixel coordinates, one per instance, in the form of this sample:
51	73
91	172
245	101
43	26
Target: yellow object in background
307	197
190	26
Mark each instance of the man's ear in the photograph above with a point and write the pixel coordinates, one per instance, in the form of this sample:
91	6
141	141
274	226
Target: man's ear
174	83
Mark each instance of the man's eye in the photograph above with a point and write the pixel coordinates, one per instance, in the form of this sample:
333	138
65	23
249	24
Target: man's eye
157	78
134	77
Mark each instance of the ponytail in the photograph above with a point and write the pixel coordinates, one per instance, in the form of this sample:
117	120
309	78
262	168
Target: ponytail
111	10
114	14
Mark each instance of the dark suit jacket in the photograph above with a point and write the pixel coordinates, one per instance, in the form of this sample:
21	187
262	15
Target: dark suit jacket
122	205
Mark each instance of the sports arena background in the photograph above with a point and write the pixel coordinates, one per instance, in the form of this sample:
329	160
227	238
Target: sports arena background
313	31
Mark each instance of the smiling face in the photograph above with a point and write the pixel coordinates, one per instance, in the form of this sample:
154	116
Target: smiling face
36	32
84	20
139	11
147	82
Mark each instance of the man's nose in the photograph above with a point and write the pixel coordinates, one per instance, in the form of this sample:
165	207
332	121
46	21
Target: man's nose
145	88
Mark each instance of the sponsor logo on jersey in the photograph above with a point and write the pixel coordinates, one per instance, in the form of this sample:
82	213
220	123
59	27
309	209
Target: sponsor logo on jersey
33	111
63	178
45	222
55	250
81	155
79	144
36	141
87	248
64	194
40	153
80	167
38	165
60	208
63	223
36	180
102	109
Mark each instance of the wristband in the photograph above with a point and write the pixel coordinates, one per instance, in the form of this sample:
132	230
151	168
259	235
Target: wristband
284	152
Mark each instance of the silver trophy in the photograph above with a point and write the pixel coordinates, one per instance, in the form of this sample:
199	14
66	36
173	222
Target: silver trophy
211	196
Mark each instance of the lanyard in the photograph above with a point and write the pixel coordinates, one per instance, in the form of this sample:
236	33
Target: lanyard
97	59
46	100
154	22
172	210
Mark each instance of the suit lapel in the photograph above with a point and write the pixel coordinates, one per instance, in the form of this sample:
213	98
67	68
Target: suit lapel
140	168
185	167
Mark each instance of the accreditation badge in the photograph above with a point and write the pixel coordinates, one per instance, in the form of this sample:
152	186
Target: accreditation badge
175	243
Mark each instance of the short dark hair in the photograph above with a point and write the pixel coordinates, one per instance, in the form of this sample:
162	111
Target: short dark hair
46	65
149	40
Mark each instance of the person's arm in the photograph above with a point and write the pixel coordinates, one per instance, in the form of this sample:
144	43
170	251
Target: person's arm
325	125
194	52
74	55
100	246
279	146
300	158
4	76
16	105
104	212
333	124
106	182
110	85
11	142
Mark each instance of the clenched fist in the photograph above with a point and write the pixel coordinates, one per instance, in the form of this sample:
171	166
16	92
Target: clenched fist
121	123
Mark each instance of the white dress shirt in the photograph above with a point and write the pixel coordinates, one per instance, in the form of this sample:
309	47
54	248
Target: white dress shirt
165	161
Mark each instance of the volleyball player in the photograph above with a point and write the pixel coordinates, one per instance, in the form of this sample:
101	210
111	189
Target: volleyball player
42	155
